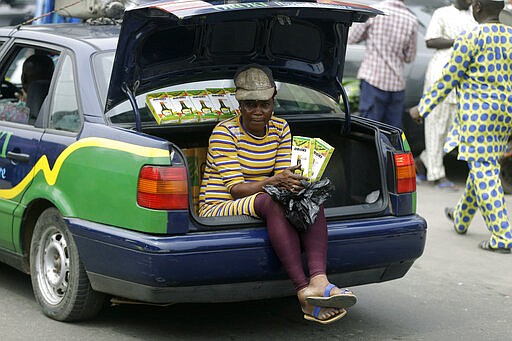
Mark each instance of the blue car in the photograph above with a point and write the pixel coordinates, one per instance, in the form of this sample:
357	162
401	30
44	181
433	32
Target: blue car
99	178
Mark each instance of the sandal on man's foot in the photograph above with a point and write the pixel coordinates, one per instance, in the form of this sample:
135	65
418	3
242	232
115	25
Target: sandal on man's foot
449	212
421	179
345	299
316	312
486	245
444	183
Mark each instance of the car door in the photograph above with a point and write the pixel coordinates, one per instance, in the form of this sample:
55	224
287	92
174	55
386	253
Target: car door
19	138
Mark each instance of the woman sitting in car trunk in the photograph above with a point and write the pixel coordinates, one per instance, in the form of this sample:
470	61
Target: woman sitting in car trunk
253	150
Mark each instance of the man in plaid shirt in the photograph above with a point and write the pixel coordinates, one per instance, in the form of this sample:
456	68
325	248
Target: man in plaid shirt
391	41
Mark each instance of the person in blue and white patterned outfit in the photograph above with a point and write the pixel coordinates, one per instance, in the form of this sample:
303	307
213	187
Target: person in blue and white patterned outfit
480	69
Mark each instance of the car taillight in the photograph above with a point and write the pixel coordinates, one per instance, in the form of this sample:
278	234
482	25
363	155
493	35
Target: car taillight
163	188
405	173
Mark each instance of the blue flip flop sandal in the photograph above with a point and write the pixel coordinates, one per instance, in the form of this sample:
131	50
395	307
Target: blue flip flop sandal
344	300
331	319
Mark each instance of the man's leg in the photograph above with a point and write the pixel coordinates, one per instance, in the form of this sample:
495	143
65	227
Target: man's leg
467	205
372	102
491	202
437	124
394	108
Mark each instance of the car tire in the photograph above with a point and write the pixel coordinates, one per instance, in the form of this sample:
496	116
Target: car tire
506	174
59	281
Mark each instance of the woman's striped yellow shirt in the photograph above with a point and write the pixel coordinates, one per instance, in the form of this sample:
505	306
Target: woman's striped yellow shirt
235	156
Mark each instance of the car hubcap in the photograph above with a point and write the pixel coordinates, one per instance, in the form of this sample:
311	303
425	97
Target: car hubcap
53	265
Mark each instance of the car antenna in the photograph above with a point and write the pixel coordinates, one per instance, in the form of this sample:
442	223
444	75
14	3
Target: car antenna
46	14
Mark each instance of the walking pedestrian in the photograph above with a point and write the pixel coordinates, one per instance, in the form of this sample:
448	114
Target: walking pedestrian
480	70
446	24
391	41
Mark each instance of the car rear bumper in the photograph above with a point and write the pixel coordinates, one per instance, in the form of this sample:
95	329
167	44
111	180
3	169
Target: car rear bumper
236	265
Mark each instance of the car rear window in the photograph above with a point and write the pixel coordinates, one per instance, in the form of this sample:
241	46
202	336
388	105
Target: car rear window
291	99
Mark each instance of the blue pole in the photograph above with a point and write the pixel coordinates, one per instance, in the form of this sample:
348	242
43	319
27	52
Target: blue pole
38	11
48	7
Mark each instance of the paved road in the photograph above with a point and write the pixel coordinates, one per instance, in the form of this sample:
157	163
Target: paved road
454	292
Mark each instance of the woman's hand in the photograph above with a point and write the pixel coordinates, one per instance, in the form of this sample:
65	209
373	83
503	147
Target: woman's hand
290	179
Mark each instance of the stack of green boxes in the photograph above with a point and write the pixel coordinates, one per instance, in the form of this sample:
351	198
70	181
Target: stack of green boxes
192	106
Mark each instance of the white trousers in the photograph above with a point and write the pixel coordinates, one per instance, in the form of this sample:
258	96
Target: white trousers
437	125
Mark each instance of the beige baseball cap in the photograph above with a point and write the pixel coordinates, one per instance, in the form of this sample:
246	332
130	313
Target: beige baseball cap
254	82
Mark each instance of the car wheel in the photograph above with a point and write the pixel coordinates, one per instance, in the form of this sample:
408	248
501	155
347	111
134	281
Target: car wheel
59	280
506	174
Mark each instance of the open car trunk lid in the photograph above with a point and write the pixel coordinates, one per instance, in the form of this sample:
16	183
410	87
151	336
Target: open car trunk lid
170	43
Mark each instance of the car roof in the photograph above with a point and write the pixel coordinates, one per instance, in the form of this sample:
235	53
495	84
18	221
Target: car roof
321	72
100	37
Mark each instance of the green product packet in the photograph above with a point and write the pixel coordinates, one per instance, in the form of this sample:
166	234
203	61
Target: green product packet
322	153
221	103
160	106
302	152
203	105
183	106
235	106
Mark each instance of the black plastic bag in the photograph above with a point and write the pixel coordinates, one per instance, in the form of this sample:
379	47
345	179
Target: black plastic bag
301	208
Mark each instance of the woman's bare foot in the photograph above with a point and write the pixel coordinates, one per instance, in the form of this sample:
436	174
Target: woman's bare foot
308	309
317	287
321	293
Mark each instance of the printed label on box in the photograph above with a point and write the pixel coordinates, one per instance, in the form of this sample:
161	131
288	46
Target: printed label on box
322	152
234	102
221	103
162	109
203	106
302	152
183	106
